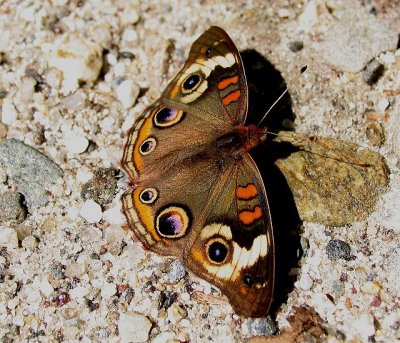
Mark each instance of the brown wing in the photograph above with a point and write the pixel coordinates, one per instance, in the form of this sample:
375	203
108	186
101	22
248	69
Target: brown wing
235	249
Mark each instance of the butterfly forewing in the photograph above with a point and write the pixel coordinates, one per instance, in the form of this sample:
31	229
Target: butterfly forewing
212	83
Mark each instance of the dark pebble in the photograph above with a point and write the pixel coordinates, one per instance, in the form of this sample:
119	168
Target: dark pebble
337	249
61	299
166	299
372	72
296	46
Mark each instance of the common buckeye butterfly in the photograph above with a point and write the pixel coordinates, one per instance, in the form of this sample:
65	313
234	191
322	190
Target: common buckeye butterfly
195	192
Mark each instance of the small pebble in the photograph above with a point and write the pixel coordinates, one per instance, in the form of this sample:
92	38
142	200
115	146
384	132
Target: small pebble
383	104
305	282
9	113
91	211
29	243
101	188
296	46
337	249
8	238
176	271
375	134
75	143
79	58
371	287
134	327
261	326
373	72
127	93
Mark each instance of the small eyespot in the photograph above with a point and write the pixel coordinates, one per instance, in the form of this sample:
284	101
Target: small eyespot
173	222
191	82
248	280
209	51
148	195
147	146
167	117
217	251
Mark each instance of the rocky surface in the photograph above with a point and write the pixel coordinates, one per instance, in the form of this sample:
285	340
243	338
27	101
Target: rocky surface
74	75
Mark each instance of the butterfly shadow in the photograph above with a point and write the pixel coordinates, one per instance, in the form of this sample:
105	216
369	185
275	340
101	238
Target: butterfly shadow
266	84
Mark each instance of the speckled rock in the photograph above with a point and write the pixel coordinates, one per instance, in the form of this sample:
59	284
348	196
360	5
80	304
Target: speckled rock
261	326
32	172
134	327
337	249
176	271
11	207
101	188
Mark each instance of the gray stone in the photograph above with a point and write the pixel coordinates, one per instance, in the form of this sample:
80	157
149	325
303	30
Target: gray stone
355	39
31	171
261	326
11	207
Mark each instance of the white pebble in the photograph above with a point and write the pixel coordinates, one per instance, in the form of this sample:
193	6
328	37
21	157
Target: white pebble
108	290
45	287
79	58
76	143
383	104
9	113
305	282
129	35
114	215
134	327
127	93
83	175
129	17
91	211
8	237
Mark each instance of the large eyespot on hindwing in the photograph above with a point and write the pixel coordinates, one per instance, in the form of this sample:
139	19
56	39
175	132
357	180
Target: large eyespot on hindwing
147	146
166	117
173	221
148	195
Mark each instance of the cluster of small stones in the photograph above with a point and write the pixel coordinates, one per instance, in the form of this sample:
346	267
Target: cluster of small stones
74	75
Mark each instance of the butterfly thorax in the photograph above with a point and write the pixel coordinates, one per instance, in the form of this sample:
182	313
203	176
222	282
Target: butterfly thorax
251	135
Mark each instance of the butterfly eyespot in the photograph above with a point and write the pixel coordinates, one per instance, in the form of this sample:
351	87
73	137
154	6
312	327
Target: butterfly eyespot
209	52
147	146
167	117
191	82
148	195
173	221
248	280
217	251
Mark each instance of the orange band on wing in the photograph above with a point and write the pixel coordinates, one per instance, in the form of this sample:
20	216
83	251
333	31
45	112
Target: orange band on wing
249	217
228	81
246	193
233	96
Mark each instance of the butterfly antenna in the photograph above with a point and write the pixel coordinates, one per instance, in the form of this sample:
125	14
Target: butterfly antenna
302	70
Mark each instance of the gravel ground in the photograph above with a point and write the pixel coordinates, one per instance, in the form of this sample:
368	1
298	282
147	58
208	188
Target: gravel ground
73	77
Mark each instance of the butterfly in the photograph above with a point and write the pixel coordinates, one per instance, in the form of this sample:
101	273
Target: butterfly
195	192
